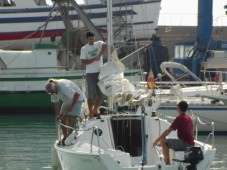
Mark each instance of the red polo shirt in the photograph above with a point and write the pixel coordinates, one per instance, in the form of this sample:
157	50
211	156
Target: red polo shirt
184	126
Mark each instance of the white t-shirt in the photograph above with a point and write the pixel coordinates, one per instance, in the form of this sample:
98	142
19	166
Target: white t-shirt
66	92
89	52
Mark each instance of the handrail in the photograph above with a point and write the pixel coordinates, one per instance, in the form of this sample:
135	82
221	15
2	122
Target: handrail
212	131
159	153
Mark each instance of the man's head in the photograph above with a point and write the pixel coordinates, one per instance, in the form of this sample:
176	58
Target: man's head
90	38
50	86
182	106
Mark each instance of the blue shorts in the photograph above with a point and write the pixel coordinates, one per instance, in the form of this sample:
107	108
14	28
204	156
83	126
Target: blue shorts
92	88
76	109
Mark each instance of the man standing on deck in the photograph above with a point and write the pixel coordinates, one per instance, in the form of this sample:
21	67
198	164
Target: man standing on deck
71	96
92	57
184	126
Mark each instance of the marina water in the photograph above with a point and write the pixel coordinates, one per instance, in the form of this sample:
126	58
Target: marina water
26	142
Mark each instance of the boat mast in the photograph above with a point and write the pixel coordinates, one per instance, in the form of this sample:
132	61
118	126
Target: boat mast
110	41
109	27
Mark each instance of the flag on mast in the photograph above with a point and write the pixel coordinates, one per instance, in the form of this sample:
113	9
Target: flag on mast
150	80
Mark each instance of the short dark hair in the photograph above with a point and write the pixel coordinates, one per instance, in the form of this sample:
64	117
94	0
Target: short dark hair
89	34
183	106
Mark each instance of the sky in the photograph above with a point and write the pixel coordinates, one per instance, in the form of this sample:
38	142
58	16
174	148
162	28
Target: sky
184	13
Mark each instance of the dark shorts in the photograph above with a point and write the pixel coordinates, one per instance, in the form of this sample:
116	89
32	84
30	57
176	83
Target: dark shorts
92	88
177	144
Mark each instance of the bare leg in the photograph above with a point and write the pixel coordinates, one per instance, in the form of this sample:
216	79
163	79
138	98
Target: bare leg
71	121
165	150
90	106
98	102
64	129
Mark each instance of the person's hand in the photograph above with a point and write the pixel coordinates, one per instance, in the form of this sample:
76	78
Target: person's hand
97	58
70	108
155	143
59	117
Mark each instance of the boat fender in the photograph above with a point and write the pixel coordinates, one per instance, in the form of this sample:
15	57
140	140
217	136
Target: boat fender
55	163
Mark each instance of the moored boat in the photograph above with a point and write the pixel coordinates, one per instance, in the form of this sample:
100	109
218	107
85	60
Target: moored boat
36	21
207	100
24	73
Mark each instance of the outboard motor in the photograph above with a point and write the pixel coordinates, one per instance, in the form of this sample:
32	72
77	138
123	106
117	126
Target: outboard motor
193	155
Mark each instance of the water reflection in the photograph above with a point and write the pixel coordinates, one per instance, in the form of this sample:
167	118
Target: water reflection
26	141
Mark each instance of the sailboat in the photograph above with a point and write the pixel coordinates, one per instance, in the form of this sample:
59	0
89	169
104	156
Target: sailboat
206	99
123	139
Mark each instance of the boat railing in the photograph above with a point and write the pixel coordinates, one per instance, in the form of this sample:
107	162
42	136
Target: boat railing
159	153
211	134
218	77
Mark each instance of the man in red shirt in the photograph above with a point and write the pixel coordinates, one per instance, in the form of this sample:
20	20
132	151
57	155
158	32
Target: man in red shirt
185	133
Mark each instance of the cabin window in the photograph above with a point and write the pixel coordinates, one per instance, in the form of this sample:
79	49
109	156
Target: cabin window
182	51
127	135
7	3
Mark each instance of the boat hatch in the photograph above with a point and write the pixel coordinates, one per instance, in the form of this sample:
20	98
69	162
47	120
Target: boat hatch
127	135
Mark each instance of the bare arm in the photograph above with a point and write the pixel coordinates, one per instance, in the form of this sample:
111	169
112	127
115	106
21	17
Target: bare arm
102	51
97	57
162	136
57	108
88	61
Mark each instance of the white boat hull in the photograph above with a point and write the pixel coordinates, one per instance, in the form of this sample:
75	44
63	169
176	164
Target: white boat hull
89	151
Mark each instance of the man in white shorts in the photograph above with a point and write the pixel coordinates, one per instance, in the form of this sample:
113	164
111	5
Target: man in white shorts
72	98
